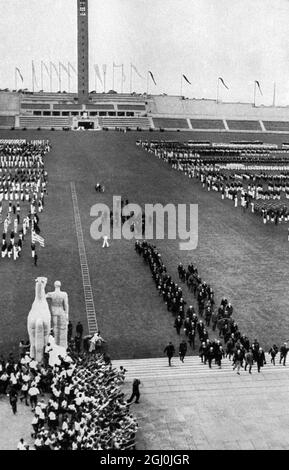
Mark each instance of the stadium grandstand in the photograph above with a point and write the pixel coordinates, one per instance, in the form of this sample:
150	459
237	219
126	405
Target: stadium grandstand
116	110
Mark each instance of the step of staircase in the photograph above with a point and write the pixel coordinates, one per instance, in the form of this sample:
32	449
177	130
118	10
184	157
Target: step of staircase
157	368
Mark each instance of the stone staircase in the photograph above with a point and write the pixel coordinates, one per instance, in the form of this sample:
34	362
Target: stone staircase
189	406
157	368
123	122
33	122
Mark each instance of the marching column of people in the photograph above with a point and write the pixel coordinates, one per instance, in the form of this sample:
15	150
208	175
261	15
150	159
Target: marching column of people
229	341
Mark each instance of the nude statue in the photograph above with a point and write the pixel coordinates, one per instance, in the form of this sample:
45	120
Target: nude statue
59	314
39	321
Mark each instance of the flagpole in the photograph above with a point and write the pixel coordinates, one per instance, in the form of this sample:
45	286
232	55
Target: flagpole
104	80
15	78
68	76
59	75
181	85
32	77
41	72
94	79
130	81
113	76
50	66
255	93
148	83
218	90
121	78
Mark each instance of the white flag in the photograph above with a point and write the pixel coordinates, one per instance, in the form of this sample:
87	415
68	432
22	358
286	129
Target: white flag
259	87
70	66
64	68
34	75
20	74
55	68
97	73
136	71
46	68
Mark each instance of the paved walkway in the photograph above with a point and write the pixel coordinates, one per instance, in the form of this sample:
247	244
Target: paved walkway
13	427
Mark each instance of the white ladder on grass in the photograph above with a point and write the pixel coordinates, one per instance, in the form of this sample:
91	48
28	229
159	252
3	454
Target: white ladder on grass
88	296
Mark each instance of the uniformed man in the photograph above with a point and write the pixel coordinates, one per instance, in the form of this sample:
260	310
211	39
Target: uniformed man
170	351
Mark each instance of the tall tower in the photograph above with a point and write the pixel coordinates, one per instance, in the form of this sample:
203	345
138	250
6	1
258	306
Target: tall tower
82	40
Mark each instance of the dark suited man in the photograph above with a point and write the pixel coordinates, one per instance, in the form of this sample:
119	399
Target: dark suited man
79	329
261	361
183	350
13	400
249	360
192	335
273	351
283	353
210	356
178	324
170	351
135	391
69	331
219	354
214	320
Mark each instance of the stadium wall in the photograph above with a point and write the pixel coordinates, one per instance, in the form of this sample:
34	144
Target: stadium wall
178	107
155	111
9	104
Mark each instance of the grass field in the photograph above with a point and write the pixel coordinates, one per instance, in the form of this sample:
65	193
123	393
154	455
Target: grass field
239	256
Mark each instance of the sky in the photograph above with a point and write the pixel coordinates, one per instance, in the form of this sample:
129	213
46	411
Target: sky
238	40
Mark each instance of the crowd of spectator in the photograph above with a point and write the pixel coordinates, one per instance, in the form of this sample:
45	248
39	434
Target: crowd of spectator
77	403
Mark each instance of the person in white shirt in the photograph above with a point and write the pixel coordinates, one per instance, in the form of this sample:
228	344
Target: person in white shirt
38	443
22	445
24	392
33	393
96	340
64	425
105	242
33	364
35	425
52	419
37	410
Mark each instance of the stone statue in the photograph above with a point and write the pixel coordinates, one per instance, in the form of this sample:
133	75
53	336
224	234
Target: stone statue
39	321
59	314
